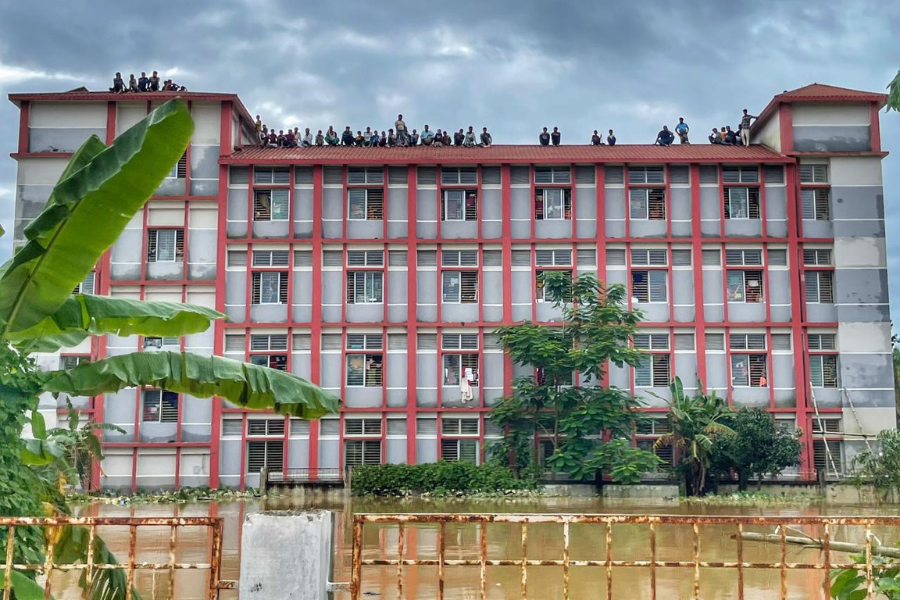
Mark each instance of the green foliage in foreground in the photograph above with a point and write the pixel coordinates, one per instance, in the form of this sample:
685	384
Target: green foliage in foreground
436	479
879	466
755	499
850	584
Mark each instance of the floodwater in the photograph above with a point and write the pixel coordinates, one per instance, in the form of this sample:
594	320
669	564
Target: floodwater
545	542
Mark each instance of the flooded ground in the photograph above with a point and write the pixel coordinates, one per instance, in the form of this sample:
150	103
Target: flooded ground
545	542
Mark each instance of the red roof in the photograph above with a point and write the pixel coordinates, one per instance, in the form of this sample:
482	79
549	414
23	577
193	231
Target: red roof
81	96
819	92
505	154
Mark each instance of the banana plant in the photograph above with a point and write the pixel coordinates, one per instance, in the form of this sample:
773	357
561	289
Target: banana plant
99	192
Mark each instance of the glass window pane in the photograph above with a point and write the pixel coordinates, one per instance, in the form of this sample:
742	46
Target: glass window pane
280	205
740	370
268	288
658	288
165	245
358	204
451	369
356	364
735	286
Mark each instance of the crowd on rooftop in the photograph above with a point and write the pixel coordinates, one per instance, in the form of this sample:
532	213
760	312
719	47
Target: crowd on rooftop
400	136
144	84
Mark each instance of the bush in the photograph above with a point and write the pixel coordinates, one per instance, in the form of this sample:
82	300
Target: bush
437	479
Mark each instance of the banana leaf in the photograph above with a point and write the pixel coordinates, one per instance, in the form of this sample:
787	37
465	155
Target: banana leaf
84	315
88	209
247	385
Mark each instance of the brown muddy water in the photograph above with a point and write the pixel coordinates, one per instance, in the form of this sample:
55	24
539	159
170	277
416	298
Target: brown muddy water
587	542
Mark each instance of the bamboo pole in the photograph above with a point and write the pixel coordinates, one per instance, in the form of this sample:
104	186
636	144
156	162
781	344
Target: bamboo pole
774	538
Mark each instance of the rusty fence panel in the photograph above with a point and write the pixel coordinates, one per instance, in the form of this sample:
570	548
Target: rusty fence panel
476	555
54	526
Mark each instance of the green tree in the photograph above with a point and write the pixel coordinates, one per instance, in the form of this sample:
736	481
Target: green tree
880	466
758	447
893	102
99	192
696	424
589	426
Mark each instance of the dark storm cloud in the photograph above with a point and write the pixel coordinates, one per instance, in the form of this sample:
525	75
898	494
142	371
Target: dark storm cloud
514	66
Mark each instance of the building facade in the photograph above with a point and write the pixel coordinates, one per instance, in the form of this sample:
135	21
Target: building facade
380	274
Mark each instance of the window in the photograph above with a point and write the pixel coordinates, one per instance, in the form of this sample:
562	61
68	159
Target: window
159	406
828	456
362	452
362	427
826	424
816	203
269	287
365	175
539	283
270	258
460	205
460	287
273	361
459	450
813	173
172	344
651	341
68	362
454	426
459	176
366	204
179	169
86	286
232	427
454	364
273	342
552	204
817	257
649	258
272	175
820	341
647	203
646	175
459	341
740	175
267	455
823	371
365	370
653	426
552	175
743	258
553	258
364	341
653	371
819	287
459	258
649	286
365	287
748	370
271	205
165	245
747	341
265	427
741	203
745	286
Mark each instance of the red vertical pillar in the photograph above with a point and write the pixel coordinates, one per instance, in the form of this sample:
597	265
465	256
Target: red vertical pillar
411	314
316	324
697	262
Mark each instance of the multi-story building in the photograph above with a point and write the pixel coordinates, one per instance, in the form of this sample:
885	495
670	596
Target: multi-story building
380	274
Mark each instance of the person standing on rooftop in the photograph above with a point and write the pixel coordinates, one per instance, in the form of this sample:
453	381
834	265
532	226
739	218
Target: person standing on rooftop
400	126
611	138
682	130
745	126
486	139
555	136
544	138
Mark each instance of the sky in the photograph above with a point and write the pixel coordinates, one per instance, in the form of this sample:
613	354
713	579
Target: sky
511	65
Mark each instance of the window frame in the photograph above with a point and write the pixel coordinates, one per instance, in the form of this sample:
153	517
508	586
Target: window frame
542	202
813	282
163	396
650	273
465	196
745	296
823	380
257	280
750	357
153	246
447	295
352	294
753	203
649	209
367	210
454	363
259	215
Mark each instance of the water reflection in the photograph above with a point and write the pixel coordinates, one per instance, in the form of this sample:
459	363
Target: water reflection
587	542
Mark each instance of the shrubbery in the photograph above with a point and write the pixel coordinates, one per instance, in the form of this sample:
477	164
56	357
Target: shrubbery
436	479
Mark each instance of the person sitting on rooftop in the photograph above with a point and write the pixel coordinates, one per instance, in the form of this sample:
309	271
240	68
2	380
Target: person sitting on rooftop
611	138
427	136
458	137
391	138
722	133
555	136
132	83
320	139
359	140
118	84
486	139
264	135
167	85
714	137
331	137
745	127
544	138
414	138
288	140
664	137
281	139
367	137
469	142
596	140
347	136
730	137
143	82
682	130
273	138
307	138
382	139
400	126
447	139
154	82
438	139
374	138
